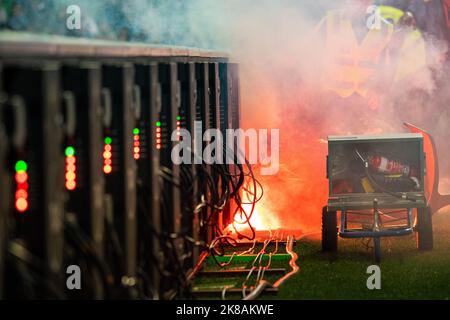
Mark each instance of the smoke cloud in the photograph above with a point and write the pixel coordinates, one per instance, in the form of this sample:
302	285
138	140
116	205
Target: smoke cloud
287	54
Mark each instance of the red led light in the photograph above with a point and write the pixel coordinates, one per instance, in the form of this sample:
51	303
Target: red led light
107	169
71	169
107	156
21	177
71	185
70	176
178	129
158	136
21	193
23	186
21	204
136	144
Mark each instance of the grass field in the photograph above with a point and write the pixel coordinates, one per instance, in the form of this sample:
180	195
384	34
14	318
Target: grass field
406	273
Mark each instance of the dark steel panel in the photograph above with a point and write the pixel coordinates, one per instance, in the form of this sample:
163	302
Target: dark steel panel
87	200
235	103
155	108
53	168
121	183
148	193
203	115
5	192
190	128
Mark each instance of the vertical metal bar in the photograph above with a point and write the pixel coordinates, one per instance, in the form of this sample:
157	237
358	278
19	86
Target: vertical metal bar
205	118
5	192
175	100
225	123
53	169
236	103
129	167
97	185
215	94
155	108
232	118
192	104
214	90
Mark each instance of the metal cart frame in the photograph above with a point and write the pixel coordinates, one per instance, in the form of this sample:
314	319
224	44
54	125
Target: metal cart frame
358	202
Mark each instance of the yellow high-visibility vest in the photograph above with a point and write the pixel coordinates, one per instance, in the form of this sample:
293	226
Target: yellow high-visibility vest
354	64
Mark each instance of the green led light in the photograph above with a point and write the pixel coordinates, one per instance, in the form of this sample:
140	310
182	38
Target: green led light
158	123
70	152
136	131
108	140
178	118
21	166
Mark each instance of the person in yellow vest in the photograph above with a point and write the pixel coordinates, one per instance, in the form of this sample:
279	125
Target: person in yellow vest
365	55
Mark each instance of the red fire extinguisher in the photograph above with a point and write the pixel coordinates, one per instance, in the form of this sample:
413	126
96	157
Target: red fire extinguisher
446	7
387	166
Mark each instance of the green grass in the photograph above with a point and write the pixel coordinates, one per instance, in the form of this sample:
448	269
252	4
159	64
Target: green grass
406	273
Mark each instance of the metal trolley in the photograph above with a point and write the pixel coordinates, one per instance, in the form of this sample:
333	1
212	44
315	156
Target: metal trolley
376	182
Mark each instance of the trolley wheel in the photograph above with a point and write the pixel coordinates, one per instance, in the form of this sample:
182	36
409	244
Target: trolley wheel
377	249
424	229
329	230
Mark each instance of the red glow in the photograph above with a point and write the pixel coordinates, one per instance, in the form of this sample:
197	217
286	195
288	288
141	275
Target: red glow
23	186
71	185
107	161
137	149
71	173
21	194
21	177
71	176
71	160
21	204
